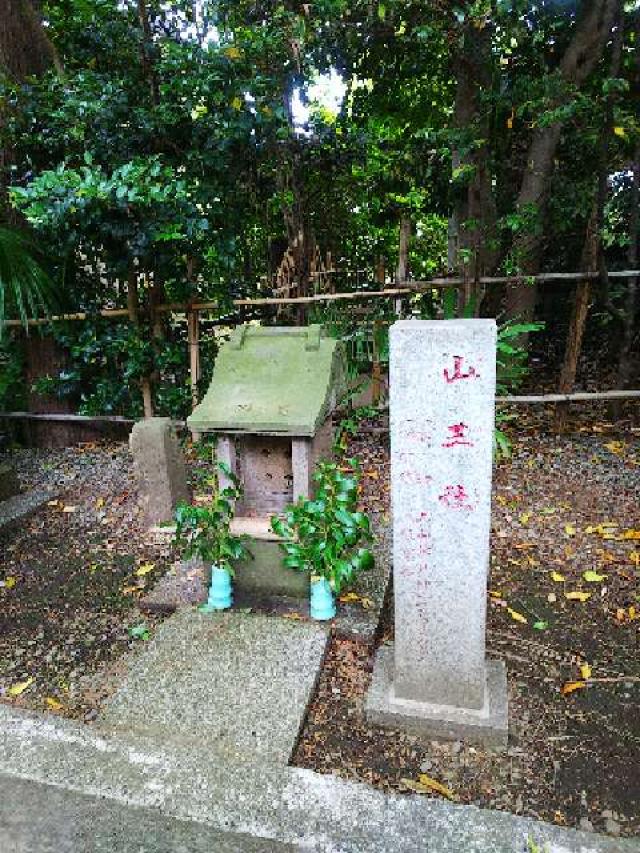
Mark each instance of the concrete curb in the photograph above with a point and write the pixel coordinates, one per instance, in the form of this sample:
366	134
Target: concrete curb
280	804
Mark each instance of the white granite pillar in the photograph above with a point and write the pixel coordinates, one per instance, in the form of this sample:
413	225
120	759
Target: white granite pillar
442	392
301	465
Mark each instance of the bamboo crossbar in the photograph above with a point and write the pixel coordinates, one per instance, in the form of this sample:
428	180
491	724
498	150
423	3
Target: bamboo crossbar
578	396
413	287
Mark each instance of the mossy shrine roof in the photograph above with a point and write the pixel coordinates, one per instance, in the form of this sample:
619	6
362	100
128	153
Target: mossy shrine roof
272	380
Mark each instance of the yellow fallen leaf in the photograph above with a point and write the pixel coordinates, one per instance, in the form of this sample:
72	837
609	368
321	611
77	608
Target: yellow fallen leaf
99	503
585	671
593	577
517	616
570	530
69	509
348	597
621	614
524	517
437	787
619	131
552	598
367	603
292	616
634	556
632	612
9	582
232	53
18	689
236	103
578	596
129	590
53	703
631	534
557	577
495	594
144	569
52	503
616	447
570	686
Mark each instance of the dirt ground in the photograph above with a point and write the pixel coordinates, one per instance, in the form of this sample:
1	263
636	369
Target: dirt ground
573	756
563	505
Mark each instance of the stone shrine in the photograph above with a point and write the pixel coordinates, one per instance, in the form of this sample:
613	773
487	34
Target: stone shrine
435	679
269	404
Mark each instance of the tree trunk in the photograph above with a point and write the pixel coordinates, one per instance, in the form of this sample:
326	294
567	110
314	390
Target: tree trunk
146	53
25	48
472	226
580	58
402	270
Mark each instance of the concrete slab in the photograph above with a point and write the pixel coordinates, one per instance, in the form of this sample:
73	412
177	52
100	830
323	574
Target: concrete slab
235	685
488	726
288	805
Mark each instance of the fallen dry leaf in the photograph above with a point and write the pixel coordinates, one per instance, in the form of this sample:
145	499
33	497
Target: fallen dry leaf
593	577
557	577
578	596
53	703
570	686
18	689
518	617
585	671
144	569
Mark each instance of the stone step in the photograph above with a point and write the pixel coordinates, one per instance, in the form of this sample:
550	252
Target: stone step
286	806
236	685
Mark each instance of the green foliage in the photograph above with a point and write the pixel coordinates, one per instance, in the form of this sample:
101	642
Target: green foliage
106	361
321	536
24	285
349	426
204	531
511	355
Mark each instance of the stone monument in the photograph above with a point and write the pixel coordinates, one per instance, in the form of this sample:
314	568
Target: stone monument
435	679
159	467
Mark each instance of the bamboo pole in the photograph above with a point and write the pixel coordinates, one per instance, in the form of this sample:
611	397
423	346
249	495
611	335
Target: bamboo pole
411	287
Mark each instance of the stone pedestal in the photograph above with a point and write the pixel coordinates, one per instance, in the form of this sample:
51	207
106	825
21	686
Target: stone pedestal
160	469
436	680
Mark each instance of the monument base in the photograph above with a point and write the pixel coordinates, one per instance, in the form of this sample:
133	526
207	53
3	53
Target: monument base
488	726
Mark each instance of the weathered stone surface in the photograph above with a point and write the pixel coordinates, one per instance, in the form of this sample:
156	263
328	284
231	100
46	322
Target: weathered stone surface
442	390
160	469
311	811
280	380
235	685
22	505
9	485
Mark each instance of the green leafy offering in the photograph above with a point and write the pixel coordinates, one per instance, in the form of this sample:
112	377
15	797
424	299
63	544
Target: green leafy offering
204	531
323	536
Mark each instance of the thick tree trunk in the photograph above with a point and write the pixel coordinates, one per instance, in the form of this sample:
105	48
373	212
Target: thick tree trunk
580	58
25	51
25	48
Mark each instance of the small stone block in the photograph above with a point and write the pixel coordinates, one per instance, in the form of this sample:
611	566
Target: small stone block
160	468
488	726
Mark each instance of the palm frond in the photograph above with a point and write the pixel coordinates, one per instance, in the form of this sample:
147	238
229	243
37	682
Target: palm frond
24	284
